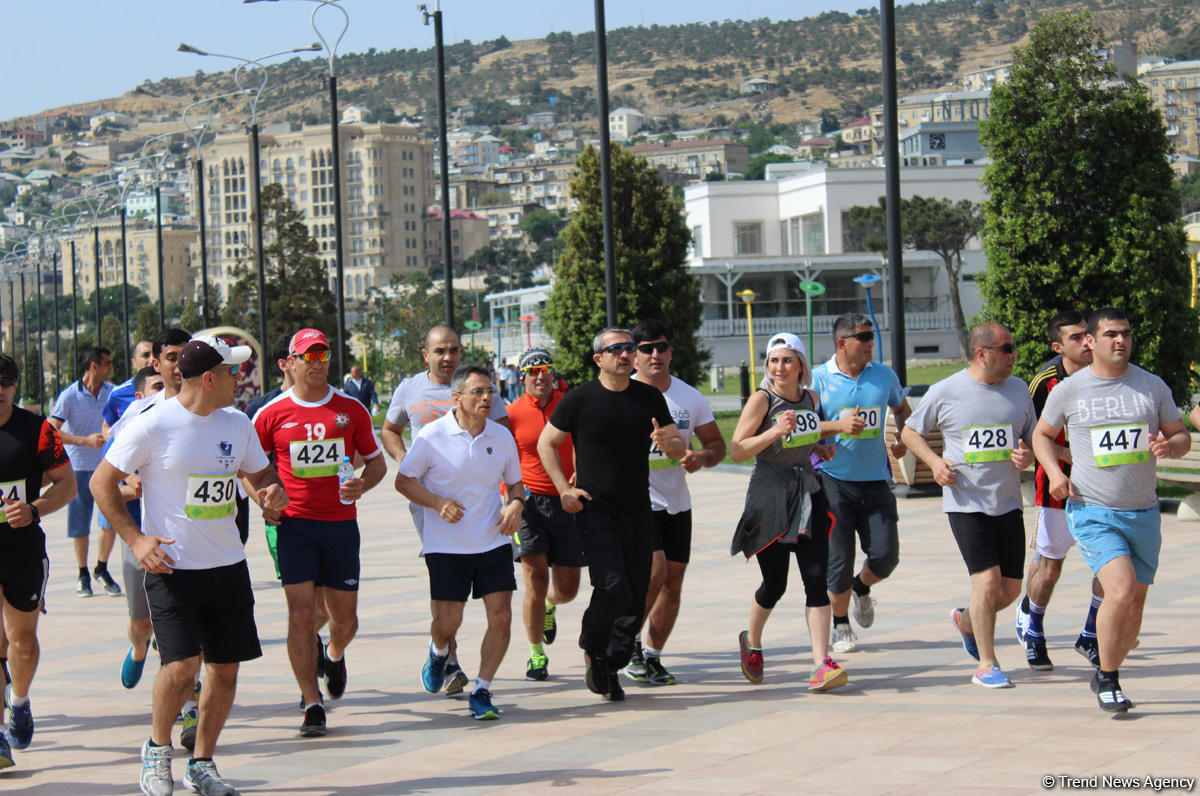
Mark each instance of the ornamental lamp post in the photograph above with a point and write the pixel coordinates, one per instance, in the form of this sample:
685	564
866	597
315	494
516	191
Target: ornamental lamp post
443	153
810	289
748	296
866	280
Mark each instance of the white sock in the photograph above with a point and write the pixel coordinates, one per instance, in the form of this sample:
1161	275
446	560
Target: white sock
18	702
189	705
484	685
330	658
441	653
650	652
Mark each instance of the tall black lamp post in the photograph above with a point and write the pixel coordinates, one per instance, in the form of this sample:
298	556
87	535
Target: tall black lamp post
443	154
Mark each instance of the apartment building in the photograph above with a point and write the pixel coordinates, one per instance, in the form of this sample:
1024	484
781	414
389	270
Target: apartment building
697	158
942	106
468	232
983	78
142	263
624	123
1175	89
535	182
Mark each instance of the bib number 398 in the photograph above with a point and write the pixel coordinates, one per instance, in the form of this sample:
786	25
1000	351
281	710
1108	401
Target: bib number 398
1113	445
987	444
808	431
210	497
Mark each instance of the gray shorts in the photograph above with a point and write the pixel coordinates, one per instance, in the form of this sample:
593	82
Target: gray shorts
134	578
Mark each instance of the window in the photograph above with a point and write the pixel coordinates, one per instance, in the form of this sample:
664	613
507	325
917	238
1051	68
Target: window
813	227
747	237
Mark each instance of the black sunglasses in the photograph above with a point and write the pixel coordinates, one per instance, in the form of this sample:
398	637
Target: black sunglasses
649	348
1007	348
862	337
618	348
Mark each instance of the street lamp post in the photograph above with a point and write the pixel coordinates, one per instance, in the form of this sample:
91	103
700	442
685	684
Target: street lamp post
810	289
57	328
891	160
866	280
74	316
610	268
41	367
443	153
528	319
748	296
96	270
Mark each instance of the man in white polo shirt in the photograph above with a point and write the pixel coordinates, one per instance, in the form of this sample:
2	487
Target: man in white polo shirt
451	473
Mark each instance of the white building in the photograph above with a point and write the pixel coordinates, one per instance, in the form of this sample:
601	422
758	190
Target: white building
623	123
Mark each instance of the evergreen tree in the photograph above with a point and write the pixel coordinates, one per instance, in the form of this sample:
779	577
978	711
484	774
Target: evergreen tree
1083	209
147	323
650	250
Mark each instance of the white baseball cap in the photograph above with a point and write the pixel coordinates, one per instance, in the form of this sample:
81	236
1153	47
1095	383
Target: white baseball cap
787	340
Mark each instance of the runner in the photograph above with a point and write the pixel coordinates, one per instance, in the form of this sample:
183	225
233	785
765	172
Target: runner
451	473
125	393
986	418
609	420
670	500
30	451
856	392
786	511
76	417
189	451
1119	419
547	542
309	429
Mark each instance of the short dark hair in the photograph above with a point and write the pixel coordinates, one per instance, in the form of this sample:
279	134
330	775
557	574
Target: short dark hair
169	337
1104	314
9	367
849	322
93	355
139	380
466	371
282	348
983	335
649	329
1068	318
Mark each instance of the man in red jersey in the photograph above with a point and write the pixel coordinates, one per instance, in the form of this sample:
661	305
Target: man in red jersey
310	428
548	535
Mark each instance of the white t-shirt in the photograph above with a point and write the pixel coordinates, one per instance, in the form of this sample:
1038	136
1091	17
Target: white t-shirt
668	479
449	462
189	465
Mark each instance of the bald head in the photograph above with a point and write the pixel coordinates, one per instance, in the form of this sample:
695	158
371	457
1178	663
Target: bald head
439	332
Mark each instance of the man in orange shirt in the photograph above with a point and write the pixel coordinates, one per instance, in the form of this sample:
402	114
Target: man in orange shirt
548	535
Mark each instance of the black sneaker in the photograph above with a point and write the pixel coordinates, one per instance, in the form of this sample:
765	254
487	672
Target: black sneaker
314	722
1089	648
1035	654
1109	695
657	674
335	677
550	625
110	586
636	668
84	587
597	679
321	659
615	692
535	668
456	679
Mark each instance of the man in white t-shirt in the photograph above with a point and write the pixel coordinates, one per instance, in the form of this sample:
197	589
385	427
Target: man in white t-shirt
670	500
189	452
451	473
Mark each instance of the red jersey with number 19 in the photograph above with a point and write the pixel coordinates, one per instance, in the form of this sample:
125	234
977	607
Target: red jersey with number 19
309	441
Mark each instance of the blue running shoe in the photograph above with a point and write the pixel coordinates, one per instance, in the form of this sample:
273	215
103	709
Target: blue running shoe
1022	619
991	677
968	639
482	709
131	670
20	725
6	758
433	673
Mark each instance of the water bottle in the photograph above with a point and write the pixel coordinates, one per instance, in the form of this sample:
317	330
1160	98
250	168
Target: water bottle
345	473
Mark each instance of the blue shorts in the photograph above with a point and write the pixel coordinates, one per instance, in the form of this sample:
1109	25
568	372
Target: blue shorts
1103	534
321	551
134	507
79	510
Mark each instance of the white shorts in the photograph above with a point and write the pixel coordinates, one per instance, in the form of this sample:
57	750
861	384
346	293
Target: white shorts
1054	537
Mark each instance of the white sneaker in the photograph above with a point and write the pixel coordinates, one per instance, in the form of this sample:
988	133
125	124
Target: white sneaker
844	639
863	609
156	770
1022	621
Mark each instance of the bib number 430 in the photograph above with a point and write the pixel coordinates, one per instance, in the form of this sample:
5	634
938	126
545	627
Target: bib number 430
210	497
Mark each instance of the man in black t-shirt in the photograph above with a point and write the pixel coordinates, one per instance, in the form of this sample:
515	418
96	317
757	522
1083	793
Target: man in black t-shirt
608	421
30	449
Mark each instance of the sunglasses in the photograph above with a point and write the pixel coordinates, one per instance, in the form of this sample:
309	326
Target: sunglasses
862	337
313	356
618	348
537	370
654	348
1007	348
233	369
8	381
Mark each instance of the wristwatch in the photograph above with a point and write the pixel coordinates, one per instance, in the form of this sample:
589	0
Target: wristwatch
37	515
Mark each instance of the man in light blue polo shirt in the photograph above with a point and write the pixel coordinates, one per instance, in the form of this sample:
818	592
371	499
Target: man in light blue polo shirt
856	393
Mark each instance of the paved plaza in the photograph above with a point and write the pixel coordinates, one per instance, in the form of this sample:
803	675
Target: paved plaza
909	722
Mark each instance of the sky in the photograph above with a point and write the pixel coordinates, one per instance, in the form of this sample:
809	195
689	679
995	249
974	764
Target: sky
59	52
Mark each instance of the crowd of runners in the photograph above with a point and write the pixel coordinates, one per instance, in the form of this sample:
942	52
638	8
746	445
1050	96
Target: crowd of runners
561	479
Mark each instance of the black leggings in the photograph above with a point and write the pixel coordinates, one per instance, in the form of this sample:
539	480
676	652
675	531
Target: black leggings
812	558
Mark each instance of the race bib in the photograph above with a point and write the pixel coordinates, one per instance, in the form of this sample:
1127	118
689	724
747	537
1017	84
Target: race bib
660	460
11	490
1113	445
316	458
873	417
808	430
210	497
987	444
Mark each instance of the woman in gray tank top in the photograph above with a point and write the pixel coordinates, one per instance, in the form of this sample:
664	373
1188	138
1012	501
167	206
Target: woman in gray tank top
786	513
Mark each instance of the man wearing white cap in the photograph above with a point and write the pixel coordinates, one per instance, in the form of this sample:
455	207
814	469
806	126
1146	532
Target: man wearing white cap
190	452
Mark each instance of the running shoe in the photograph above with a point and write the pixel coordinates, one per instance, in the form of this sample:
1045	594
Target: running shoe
968	639
84	587
596	675
636	668
550	625
615	692
827	676
321	660
656	673
457	679
131	670
202	777
20	724
480	704
106	580
862	608
187	736
314	722
335	676
1109	695
1089	648
433	673
991	677
1022	619
535	668
6	758
1035	654
843	639
752	660
156	770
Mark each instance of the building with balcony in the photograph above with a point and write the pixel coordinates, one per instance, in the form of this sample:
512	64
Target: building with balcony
468	231
623	123
697	159
141	265
1175	89
940	143
983	78
942	106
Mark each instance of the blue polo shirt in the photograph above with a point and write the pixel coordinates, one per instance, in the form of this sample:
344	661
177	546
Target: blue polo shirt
80	412
862	458
118	400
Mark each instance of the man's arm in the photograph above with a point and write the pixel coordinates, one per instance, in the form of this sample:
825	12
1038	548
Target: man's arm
392	436
510	515
547	448
448	509
106	491
90	441
668	439
267	491
1173	440
941	468
1047	453
373	472
60	492
712	448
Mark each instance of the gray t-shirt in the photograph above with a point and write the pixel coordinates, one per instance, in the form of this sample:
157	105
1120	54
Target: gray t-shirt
419	400
1109	423
980	425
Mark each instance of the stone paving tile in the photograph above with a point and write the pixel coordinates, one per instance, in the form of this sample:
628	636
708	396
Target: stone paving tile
909	721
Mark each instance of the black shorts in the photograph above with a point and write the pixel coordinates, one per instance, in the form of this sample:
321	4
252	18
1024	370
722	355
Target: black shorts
325	553
455	576
23	578
986	541
547	528
209	610
673	535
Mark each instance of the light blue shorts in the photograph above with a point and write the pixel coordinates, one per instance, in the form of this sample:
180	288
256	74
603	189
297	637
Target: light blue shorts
1103	534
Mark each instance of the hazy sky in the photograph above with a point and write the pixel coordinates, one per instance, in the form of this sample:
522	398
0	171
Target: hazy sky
58	52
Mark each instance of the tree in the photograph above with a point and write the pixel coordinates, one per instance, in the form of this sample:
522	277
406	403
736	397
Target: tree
147	323
189	318
650	251
1083	209
539	225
